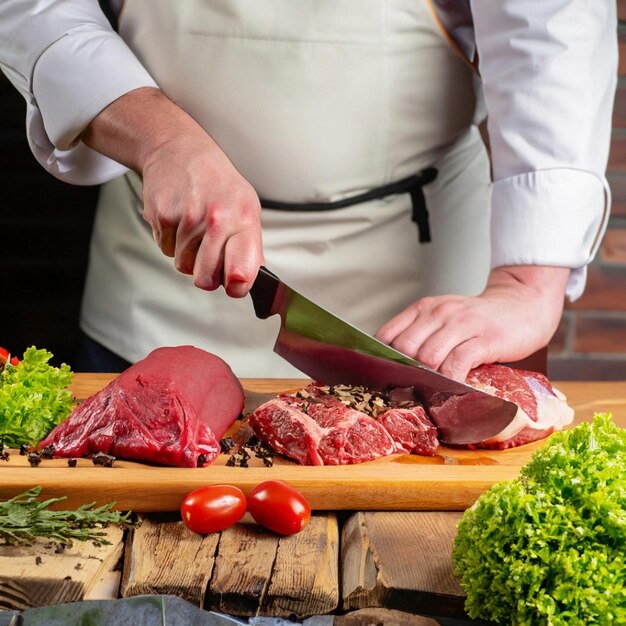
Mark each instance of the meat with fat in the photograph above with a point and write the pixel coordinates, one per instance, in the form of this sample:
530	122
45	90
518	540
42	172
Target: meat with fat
542	408
320	429
411	430
171	408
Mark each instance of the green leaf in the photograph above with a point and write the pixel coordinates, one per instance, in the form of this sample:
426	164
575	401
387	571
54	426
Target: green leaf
34	398
549	548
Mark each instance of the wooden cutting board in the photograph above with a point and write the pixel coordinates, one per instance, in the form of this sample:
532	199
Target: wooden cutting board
452	480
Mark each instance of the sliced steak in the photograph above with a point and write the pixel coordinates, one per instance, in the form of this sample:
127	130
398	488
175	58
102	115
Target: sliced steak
320	430
411	430
542	408
171	408
314	427
288	430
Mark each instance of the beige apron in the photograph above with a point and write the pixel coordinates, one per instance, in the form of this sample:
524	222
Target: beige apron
313	101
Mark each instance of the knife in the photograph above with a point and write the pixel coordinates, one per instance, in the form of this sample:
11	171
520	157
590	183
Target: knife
333	352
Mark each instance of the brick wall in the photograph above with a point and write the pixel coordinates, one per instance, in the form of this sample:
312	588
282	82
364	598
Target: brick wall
591	340
45	226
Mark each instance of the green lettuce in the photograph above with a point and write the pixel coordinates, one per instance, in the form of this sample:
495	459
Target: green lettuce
34	398
550	547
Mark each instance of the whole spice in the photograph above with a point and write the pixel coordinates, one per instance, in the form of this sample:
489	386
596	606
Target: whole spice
100	458
24	518
368	401
47	452
34	459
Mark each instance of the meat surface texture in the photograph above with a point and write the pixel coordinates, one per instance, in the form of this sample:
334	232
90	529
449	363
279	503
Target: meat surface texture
321	430
315	428
542	408
171	408
411	430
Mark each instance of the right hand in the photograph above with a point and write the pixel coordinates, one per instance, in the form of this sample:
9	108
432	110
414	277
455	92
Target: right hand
203	213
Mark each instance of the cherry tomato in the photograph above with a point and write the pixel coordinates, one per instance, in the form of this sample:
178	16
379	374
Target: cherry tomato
213	508
279	507
4	356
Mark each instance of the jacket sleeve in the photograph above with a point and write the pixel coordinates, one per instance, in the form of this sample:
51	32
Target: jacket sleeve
549	72
68	63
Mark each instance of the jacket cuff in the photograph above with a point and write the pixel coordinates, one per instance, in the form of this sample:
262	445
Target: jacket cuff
103	69
550	217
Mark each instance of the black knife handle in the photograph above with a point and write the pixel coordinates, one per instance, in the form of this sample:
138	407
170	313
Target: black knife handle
263	292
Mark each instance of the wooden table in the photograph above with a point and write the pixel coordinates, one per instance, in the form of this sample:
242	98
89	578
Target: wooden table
351	564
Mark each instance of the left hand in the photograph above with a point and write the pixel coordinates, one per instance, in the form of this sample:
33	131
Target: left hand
516	314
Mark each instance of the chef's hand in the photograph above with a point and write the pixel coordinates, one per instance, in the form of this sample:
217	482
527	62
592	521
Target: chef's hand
203	213
517	314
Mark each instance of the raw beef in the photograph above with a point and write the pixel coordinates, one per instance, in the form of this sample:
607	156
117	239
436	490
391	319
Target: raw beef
320	429
171	408
411	430
542	408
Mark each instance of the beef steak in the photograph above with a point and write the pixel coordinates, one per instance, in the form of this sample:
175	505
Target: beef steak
314	427
170	408
542	408
411	430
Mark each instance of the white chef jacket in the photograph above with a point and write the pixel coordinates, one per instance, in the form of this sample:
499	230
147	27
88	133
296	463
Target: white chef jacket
548	74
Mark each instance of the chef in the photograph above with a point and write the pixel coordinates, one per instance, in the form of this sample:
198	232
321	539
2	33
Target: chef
336	142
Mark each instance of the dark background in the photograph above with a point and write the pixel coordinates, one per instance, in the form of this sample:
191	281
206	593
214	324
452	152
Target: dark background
45	227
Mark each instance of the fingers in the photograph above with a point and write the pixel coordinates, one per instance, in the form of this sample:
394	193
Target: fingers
464	357
408	331
164	223
242	259
218	242
445	333
203	213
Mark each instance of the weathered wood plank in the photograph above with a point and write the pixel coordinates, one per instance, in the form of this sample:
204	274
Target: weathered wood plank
243	568
44	574
400	560
259	573
165	557
305	579
378	617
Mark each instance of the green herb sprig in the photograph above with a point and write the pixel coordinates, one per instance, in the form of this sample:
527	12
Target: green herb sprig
24	518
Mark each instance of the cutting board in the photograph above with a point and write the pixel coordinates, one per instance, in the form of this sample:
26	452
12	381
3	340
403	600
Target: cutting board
451	480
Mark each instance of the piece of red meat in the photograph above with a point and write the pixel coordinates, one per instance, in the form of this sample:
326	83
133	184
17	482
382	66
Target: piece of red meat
411	430
171	408
320	430
542	408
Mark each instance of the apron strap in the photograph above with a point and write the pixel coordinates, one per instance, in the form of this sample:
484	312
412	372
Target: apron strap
411	185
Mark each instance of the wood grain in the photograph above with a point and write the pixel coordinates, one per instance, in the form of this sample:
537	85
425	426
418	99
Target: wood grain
44	574
400	560
165	557
259	573
380	617
243	568
450	481
307	562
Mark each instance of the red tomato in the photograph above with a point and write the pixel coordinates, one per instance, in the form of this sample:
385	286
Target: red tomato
213	508
279	507
4	355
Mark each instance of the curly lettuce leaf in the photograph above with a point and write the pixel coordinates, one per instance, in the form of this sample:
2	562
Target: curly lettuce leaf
550	547
34	398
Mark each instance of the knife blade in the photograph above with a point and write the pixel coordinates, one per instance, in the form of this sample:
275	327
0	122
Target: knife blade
333	351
